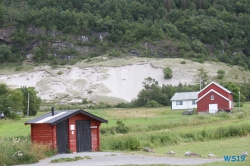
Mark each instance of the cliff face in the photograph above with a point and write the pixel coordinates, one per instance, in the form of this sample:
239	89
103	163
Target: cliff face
67	47
55	42
5	34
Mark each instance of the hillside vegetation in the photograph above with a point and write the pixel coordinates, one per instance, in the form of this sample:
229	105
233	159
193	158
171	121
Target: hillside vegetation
63	30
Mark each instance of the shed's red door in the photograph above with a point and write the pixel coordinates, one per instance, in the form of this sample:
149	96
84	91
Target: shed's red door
62	136
83	135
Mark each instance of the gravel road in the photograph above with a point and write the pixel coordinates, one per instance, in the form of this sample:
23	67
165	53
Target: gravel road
110	158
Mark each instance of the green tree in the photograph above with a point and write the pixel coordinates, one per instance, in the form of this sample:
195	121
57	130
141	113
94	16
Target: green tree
15	100
235	90
151	95
41	53
21	36
5	53
168	73
202	77
34	101
10	100
4	103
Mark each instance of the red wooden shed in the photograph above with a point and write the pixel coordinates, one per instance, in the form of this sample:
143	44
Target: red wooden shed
214	97
74	130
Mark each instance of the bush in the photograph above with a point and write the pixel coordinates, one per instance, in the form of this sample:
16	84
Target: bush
183	62
220	71
121	128
125	105
59	73
84	101
18	68
114	53
108	130
15	151
14	116
125	143
220	76
152	104
238	105
94	54
167	73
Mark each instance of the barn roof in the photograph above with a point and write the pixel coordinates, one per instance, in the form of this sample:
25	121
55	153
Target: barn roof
214	92
215	83
185	96
62	115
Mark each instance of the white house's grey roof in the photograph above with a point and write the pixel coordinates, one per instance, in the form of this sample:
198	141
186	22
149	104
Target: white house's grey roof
185	96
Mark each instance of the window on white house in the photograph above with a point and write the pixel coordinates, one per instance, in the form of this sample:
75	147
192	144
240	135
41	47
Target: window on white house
193	102
212	97
179	103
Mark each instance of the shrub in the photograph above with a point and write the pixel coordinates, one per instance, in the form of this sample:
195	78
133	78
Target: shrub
15	151
114	53
238	105
121	128
108	130
14	116
220	76
94	54
18	68
220	71
84	101
167	73
132	143
203	133
59	73
152	104
125	105
125	143
183	62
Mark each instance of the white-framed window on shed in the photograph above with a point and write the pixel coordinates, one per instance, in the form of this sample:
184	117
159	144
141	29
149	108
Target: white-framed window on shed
193	102
179	102
212	97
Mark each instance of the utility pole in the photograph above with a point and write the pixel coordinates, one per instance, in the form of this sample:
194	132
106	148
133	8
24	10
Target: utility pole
200	83
28	108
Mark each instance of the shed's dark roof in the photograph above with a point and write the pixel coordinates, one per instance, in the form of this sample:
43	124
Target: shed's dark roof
62	115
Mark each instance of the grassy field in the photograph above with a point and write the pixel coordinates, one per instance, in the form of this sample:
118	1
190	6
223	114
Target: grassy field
144	123
163	130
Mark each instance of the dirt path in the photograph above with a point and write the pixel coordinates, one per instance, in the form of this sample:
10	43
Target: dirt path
109	158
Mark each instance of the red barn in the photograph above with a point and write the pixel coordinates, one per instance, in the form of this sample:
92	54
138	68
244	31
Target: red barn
72	130
214	97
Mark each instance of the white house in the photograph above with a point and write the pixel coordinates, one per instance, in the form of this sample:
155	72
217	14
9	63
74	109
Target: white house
184	100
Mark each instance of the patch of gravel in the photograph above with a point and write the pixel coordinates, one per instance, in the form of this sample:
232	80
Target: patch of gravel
113	158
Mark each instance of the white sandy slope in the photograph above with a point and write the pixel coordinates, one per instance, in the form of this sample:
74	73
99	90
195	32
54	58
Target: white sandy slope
75	83
125	82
